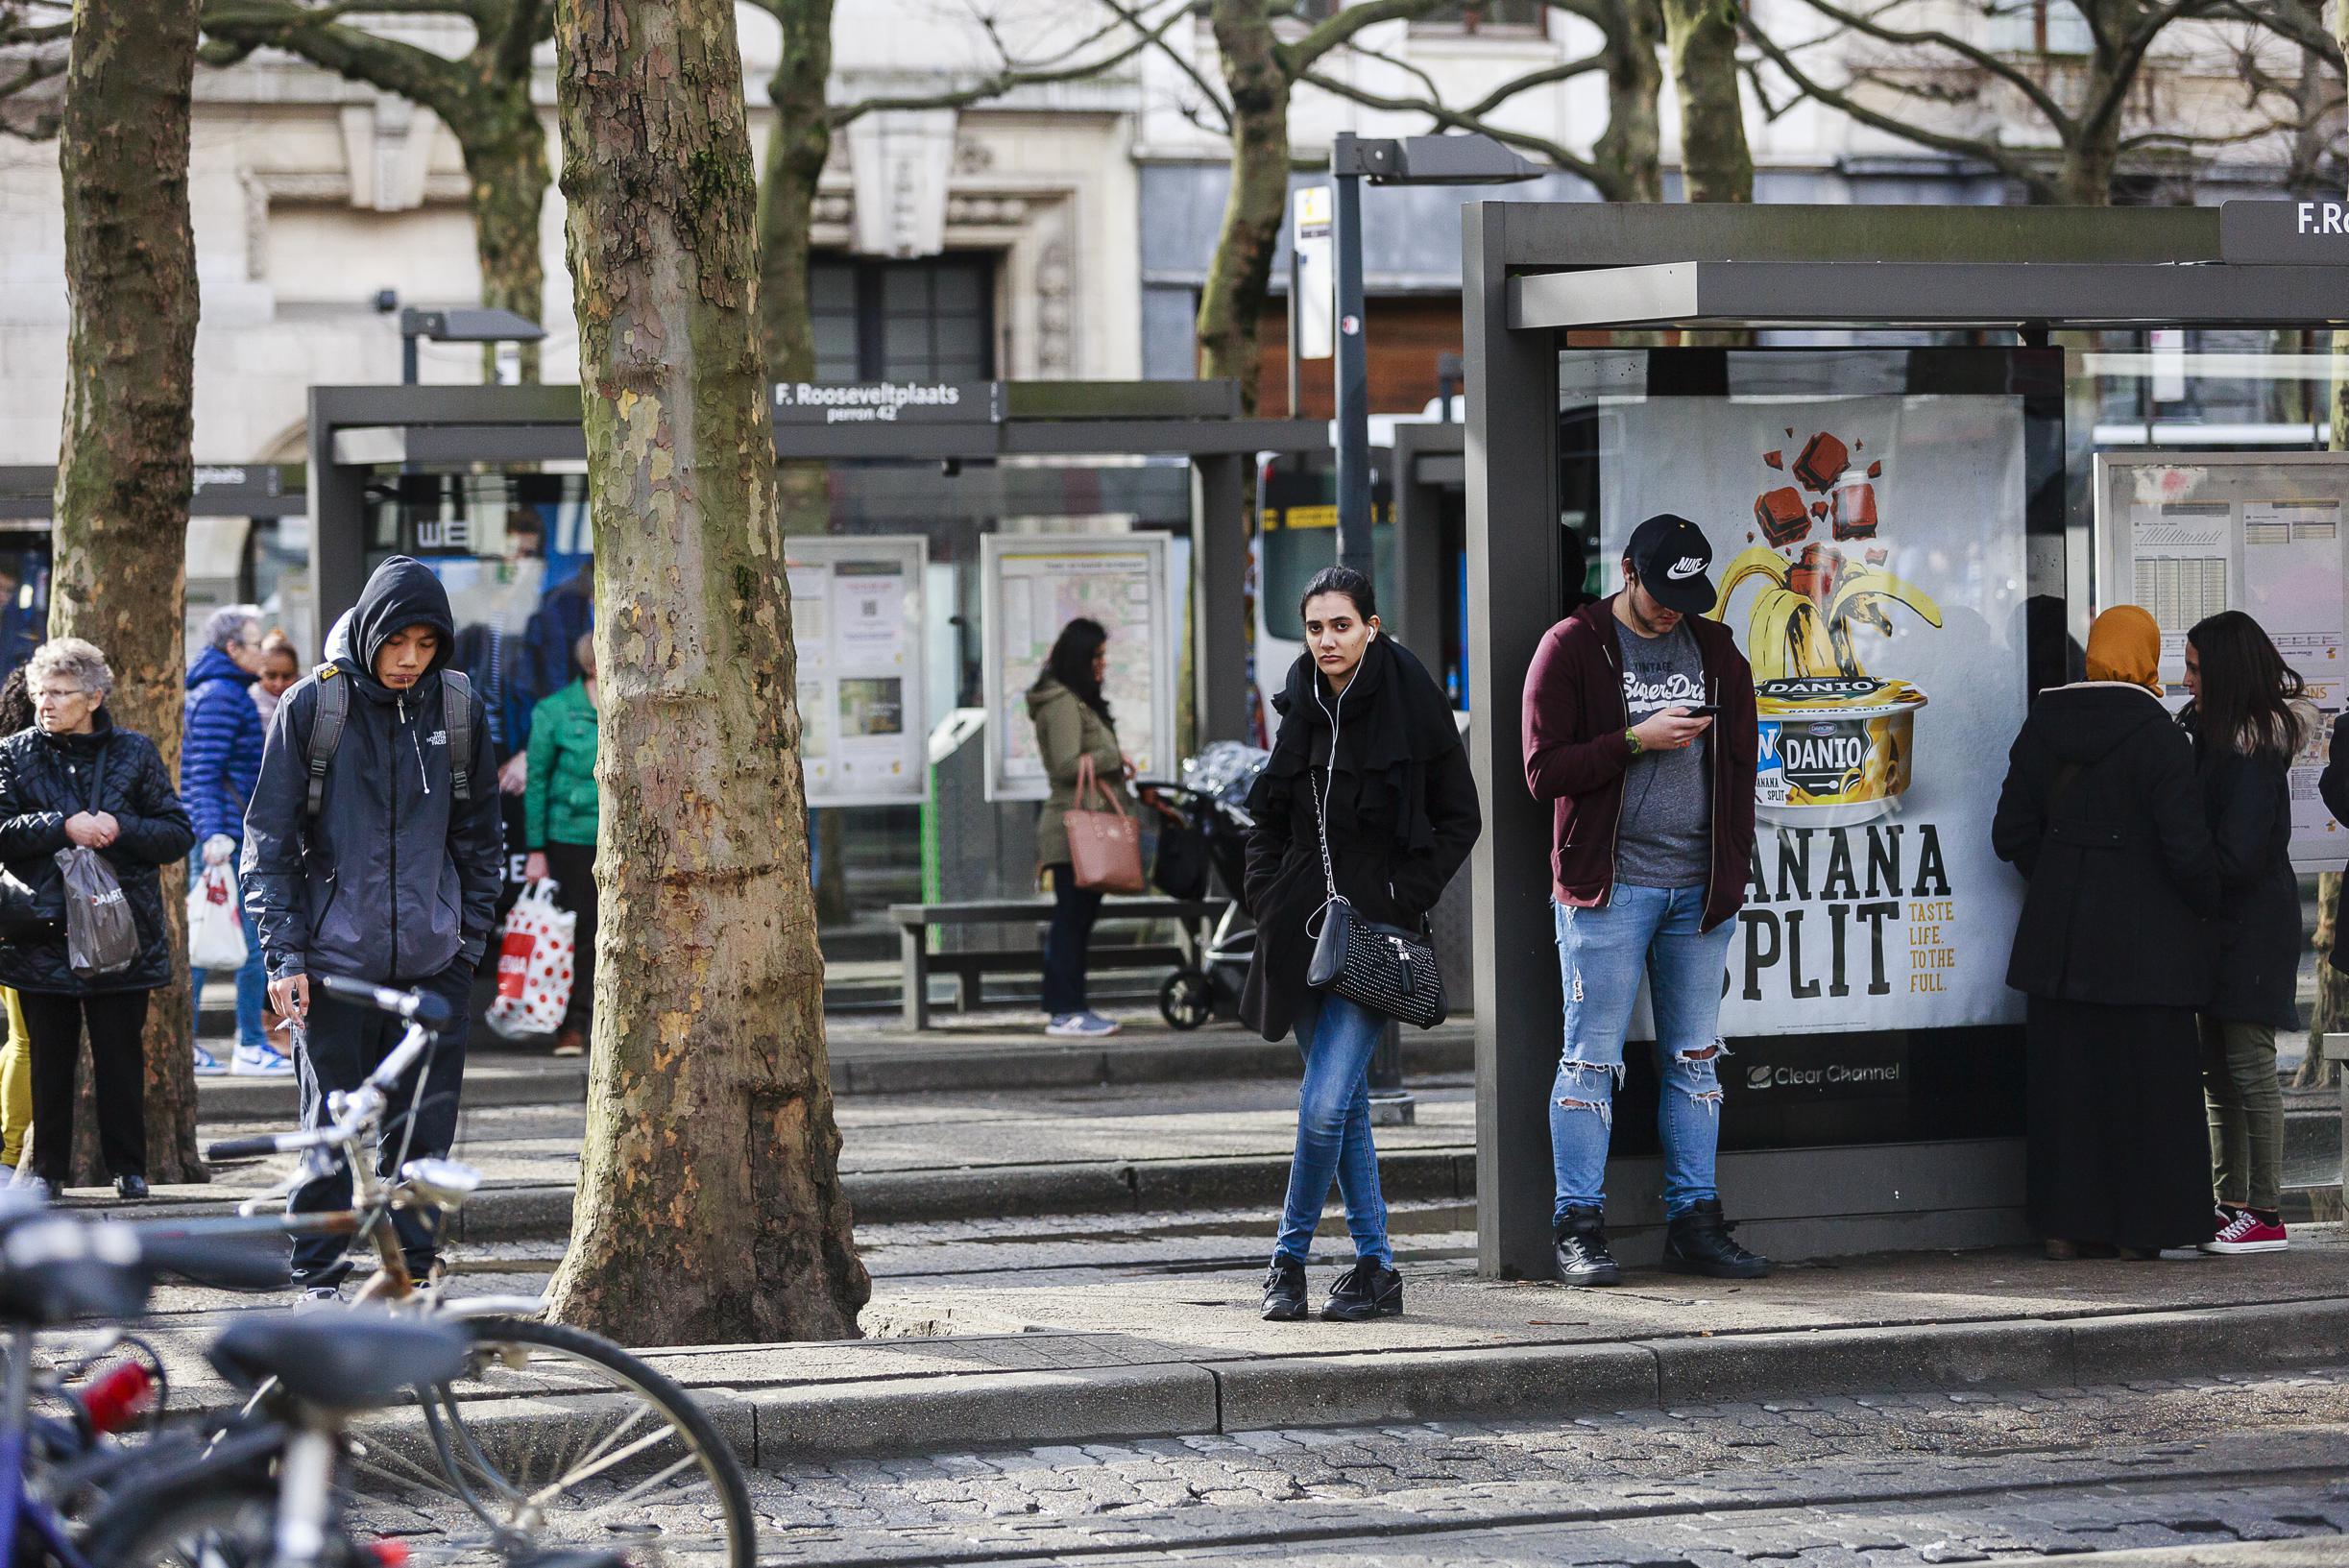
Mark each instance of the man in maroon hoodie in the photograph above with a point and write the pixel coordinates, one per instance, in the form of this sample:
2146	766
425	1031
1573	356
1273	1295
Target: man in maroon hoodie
1639	725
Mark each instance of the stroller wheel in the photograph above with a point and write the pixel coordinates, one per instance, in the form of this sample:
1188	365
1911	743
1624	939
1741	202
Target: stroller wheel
1186	999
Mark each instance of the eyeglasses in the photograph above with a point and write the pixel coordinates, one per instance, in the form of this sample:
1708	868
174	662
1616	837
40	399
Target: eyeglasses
57	695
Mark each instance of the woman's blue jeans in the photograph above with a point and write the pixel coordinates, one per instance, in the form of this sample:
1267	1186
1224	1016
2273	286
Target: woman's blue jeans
1336	1037
1601	953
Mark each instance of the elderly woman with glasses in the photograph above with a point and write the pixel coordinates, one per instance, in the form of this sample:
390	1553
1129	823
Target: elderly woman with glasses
74	778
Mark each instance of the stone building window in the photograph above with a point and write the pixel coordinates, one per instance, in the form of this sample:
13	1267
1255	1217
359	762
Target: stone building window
930	319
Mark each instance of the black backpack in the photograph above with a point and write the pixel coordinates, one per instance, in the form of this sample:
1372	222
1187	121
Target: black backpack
334	712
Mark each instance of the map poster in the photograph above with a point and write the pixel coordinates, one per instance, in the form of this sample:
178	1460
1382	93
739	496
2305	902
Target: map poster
2189	534
1032	586
1870	557
856	627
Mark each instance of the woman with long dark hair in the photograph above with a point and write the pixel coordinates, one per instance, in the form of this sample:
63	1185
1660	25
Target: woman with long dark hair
2102	814
1368	754
1072	724
2249	721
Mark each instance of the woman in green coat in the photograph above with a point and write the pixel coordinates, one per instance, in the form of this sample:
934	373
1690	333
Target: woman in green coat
1072	719
559	827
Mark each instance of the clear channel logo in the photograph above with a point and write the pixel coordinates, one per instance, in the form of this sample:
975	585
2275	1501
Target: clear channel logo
1824	1075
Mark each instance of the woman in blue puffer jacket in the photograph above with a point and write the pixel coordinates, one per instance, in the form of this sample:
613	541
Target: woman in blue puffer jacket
220	757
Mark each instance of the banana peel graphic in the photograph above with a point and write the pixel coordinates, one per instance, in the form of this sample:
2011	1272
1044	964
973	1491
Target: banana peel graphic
1791	635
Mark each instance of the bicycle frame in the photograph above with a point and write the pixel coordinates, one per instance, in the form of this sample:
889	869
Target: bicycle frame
17	1510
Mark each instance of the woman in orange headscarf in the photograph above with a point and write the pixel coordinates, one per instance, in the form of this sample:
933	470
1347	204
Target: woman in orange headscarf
2102	813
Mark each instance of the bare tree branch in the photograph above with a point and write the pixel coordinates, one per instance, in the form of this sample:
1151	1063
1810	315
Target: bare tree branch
1563	157
1010	79
1342	28
1901	37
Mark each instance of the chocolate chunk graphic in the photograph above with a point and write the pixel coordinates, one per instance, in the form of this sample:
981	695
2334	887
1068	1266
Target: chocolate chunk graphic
1780	515
1777	460
1823	461
1855	511
1875	470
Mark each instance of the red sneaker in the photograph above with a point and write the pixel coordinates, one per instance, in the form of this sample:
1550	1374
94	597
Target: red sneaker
2247	1232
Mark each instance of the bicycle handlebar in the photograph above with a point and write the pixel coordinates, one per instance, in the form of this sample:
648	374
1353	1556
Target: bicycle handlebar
246	1148
417	1007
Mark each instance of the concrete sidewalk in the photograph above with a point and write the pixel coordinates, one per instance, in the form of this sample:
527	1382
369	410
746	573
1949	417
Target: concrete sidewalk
1068	1360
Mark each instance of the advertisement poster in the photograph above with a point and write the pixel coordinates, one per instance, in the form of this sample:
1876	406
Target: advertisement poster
1870	554
2189	534
1032	586
857	623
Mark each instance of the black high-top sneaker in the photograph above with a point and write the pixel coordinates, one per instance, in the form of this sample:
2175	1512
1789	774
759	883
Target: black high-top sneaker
1284	1292
1583	1257
1697	1242
1367	1290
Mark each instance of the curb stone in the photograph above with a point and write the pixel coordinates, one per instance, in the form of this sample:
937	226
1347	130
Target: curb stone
929	1413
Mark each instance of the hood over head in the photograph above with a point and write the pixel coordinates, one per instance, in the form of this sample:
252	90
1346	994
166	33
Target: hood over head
402	592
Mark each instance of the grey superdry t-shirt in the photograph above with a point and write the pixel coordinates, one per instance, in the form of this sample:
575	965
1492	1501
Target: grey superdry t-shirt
1666	836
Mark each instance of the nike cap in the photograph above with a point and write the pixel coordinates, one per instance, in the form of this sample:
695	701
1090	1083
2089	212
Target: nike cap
1673	561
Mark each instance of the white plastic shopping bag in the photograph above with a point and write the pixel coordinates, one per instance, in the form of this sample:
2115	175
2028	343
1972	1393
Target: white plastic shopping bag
215	930
534	965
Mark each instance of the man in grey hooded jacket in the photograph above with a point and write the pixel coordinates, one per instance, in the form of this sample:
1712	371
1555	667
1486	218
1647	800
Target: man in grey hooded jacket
393	882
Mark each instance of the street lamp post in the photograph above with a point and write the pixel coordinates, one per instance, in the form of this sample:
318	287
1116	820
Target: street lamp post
466	323
1405	161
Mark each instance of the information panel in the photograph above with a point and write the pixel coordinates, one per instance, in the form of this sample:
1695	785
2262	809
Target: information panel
1032	586
2189	534
857	623
1870	556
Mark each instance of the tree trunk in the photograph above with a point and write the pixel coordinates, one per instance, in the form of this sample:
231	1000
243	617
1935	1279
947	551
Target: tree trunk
710	1201
2091	152
1240	273
797	146
2331	1015
1702	37
1631	152
505	159
124	464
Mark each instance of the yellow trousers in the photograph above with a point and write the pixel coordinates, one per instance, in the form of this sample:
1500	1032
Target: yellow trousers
15	1085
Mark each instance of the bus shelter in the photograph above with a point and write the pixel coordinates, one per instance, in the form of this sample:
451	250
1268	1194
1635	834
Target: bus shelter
1926	443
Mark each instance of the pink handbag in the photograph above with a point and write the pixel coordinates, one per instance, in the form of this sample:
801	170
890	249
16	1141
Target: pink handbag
1104	846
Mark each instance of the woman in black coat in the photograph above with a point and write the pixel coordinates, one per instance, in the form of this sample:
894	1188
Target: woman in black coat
2248	723
76	779
1367	737
2102	812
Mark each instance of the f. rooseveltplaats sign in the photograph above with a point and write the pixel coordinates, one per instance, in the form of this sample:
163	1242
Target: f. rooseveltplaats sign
888	402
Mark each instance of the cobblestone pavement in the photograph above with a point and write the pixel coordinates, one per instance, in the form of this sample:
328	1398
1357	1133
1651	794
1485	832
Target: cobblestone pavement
1856	1483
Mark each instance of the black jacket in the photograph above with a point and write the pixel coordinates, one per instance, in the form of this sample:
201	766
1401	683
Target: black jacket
2333	786
1387	882
392	882
45	778
2249	802
2102	812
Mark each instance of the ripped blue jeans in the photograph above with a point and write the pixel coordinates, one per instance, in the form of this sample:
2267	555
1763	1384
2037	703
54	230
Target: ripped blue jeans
1601	953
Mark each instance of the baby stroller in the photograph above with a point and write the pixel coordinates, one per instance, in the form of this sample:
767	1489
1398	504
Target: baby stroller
1212	799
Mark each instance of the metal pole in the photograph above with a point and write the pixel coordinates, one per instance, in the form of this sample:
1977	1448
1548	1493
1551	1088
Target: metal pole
1297	321
1353	368
407	359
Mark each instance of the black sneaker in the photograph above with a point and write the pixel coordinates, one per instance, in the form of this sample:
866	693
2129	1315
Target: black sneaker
1368	1290
1284	1292
131	1189
1697	1242
1583	1257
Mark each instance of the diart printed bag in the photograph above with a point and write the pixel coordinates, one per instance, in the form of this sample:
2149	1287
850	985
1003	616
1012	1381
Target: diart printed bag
101	937
535	965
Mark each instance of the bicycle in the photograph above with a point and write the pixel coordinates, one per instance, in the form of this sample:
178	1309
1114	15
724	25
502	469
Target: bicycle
591	1445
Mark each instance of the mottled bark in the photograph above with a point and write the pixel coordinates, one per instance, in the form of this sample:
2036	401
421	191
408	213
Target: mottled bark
710	1201
1240	273
124	464
1701	37
1630	150
507	168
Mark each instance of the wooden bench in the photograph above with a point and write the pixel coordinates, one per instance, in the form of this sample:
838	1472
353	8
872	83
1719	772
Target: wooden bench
915	920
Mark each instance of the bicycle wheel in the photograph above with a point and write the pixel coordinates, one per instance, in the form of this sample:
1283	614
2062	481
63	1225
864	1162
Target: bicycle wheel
554	1439
203	1527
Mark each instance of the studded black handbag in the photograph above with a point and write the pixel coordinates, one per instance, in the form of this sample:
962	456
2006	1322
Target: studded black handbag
1390	970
